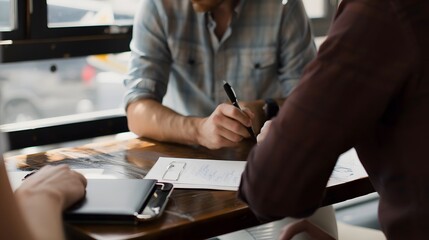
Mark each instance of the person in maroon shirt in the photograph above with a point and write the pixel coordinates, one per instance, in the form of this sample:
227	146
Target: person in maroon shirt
368	88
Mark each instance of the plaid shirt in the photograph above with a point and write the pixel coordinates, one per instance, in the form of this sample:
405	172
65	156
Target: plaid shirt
262	54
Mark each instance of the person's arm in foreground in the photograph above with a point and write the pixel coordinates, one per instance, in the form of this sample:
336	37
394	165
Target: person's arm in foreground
327	113
35	210
315	232
303	225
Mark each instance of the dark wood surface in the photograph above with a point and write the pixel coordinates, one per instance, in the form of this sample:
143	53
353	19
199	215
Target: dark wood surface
190	214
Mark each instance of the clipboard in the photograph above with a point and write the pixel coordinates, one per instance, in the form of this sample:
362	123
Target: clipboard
117	201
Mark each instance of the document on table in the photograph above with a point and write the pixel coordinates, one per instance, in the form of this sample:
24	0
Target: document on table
348	168
226	175
198	173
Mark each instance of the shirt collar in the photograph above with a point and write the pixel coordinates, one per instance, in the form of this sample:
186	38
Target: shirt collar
237	9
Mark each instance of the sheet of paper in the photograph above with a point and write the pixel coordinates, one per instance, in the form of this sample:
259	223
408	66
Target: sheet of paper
226	175
348	168
198	173
16	177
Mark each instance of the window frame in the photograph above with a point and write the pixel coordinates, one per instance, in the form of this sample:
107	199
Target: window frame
19	19
39	28
33	35
61	129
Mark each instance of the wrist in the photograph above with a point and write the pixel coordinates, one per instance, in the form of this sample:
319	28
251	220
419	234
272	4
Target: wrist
39	209
194	135
31	198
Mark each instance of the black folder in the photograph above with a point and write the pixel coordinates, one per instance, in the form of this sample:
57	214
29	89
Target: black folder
120	201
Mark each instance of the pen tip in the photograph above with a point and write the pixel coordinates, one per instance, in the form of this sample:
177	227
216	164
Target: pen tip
224	82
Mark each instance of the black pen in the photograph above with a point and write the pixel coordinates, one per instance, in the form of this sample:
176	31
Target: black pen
28	175
233	98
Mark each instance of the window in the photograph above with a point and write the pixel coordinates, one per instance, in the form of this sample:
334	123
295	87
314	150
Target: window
7	23
10	27
60	87
71	13
321	13
315	8
86	17
64	28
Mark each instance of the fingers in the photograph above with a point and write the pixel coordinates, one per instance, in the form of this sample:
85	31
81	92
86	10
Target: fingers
249	113
264	131
242	116
81	178
59	171
71	184
215	136
290	230
229	128
65	183
225	127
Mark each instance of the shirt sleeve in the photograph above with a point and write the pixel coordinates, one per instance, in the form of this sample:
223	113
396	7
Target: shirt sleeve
343	95
297	46
150	56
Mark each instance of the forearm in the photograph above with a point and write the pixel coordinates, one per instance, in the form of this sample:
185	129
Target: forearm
28	215
42	214
276	160
35	210
12	225
149	118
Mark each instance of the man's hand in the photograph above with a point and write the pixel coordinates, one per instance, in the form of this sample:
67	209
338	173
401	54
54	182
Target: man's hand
304	226
225	127
44	195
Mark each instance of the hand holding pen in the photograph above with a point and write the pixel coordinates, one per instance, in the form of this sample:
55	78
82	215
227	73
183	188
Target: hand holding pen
233	98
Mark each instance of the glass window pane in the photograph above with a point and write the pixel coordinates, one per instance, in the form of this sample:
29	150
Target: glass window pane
69	13
7	10
315	8
52	88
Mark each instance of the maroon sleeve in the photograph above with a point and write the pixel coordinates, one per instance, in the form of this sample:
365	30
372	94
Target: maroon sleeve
340	98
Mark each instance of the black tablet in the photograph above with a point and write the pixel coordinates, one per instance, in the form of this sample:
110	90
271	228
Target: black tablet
120	201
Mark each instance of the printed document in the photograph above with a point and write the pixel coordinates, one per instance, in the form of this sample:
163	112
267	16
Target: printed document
226	175
198	173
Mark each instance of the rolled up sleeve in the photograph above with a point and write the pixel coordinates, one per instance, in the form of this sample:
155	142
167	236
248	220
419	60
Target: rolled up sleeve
150	62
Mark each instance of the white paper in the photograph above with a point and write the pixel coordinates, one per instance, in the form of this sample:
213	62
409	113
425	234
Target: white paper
226	175
16	177
348	168
198	173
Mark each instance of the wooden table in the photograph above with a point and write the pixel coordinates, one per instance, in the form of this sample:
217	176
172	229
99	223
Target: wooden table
190	214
